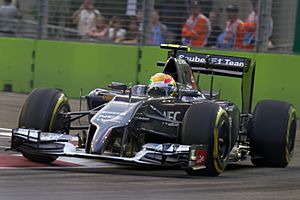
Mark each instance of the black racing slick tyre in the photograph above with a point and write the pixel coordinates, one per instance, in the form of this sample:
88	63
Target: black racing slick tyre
208	124
36	157
273	133
42	111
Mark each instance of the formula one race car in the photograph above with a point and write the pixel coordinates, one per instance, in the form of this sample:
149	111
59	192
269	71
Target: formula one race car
191	129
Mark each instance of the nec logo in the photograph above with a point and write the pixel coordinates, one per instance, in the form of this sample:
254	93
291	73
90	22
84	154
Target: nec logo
172	114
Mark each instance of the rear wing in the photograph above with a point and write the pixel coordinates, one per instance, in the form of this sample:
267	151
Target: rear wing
216	64
231	66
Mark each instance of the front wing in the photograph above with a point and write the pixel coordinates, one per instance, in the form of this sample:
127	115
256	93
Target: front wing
56	144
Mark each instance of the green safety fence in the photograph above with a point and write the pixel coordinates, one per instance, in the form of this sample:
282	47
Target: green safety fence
73	66
70	66
16	64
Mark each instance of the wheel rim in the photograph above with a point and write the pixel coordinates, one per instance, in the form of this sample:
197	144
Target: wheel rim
292	135
223	140
60	123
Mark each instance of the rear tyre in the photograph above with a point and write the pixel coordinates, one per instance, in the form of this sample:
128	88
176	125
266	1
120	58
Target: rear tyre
208	124
43	110
273	133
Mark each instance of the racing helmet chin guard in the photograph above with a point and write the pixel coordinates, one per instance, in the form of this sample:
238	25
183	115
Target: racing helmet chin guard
162	85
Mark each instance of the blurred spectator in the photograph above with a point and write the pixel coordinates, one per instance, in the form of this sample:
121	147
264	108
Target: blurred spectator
132	34
215	30
158	30
116	33
85	17
16	3
232	37
139	18
196	29
173	15
101	30
250	27
9	18
206	6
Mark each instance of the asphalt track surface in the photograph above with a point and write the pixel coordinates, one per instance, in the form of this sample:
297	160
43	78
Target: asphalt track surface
85	179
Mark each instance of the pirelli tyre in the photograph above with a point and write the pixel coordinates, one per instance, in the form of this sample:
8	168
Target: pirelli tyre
42	111
208	124
273	133
37	157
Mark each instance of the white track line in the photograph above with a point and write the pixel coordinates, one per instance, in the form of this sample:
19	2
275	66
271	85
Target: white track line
6	129
5	134
4	147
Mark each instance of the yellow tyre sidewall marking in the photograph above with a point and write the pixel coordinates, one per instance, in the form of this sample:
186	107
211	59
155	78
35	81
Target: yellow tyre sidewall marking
287	153
60	100
216	140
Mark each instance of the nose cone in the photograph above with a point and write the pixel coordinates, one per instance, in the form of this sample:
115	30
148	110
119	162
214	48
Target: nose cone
115	114
100	136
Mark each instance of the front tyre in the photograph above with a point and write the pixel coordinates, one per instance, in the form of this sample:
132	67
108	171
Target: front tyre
273	133
36	157
43	110
208	124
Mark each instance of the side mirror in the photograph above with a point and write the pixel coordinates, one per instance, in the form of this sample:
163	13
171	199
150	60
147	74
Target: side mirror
118	86
160	63
139	90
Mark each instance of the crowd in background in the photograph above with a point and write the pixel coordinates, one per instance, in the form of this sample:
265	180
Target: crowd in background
9	16
199	29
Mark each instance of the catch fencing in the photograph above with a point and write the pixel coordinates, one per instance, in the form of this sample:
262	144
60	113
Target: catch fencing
248	25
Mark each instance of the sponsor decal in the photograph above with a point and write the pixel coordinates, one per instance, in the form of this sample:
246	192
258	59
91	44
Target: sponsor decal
110	112
213	60
230	121
105	115
183	148
172	115
200	157
193	59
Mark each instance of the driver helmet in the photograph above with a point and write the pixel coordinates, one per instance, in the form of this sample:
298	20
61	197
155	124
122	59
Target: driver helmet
162	85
